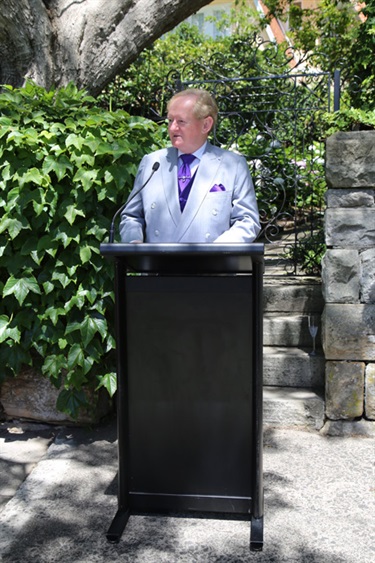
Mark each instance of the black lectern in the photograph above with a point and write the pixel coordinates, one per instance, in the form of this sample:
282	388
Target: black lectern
189	331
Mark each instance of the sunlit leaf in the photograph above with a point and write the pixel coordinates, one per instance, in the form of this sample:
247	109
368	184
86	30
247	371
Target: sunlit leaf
90	326
20	287
109	382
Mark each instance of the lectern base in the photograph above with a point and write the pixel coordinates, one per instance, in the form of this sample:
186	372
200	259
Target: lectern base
121	518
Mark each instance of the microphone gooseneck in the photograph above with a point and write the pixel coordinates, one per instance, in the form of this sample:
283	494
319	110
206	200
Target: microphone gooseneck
155	167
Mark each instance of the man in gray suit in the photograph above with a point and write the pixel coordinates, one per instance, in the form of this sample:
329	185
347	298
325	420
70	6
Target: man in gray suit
199	193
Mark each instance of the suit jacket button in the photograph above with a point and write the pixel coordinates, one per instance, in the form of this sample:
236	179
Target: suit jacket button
153	205
208	235
157	233
214	212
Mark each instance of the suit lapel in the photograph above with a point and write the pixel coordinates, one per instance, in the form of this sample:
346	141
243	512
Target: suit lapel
203	182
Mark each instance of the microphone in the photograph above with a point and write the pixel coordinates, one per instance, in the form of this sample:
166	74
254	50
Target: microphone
155	167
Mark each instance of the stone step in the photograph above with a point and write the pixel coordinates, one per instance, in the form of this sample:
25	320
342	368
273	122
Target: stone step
293	407
293	367
294	294
289	330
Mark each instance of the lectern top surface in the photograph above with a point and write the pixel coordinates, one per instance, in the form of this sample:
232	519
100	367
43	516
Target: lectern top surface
188	249
188	259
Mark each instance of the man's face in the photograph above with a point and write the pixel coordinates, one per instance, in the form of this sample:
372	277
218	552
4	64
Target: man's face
186	132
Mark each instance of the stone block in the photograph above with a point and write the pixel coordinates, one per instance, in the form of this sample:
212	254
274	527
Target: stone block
288	330
345	428
293	406
367	288
348	332
370	391
350	159
290	296
292	367
350	198
341	276
350	227
344	389
33	397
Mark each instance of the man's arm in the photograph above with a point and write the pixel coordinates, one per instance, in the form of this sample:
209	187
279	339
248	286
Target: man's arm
244	219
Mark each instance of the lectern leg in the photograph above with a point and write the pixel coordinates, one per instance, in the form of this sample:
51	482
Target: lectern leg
118	525
256	536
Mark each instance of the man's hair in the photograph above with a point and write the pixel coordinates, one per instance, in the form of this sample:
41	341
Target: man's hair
205	104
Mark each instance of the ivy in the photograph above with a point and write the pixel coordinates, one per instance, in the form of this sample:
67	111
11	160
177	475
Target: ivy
66	165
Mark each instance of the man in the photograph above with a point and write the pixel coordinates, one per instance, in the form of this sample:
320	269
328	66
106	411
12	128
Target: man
206	197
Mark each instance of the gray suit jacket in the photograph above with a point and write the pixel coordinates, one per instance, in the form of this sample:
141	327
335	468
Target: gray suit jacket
154	214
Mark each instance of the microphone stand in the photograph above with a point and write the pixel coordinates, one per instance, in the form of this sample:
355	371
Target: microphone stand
155	167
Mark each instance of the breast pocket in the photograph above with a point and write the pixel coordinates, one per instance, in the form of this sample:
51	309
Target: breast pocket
217	204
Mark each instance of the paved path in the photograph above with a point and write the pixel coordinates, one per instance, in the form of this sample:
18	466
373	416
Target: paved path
319	505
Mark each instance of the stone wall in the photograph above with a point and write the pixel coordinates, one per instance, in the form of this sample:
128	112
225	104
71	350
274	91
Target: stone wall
348	276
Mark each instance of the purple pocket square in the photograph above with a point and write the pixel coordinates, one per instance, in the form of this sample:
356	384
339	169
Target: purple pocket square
217	188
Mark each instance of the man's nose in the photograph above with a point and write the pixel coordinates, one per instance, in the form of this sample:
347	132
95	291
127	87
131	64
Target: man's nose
173	124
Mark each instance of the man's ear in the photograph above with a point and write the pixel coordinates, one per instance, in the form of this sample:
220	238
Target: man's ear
208	123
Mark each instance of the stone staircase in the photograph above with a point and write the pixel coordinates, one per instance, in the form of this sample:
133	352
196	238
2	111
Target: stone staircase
293	379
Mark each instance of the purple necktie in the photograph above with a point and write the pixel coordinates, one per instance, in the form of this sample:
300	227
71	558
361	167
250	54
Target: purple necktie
184	177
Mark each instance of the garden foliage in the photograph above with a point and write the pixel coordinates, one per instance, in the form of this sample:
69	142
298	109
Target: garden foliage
65	167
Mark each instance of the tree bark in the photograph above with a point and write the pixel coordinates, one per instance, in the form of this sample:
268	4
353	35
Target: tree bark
88	42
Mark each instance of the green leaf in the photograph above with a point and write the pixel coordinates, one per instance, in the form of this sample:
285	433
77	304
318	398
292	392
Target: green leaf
75	140
6	331
86	177
47	244
60	166
76	356
29	245
13	226
76	301
54	313
33	175
87	365
21	287
48	287
72	327
92	325
71	214
62	278
85	254
13	357
53	365
62	342
109	382
70	401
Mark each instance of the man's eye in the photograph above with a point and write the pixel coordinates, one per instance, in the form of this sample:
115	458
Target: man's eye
180	122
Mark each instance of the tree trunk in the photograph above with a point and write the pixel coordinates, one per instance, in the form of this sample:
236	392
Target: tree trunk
88	42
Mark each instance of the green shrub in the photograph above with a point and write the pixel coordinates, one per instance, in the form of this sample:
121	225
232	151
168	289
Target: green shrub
308	252
65	167
350	119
